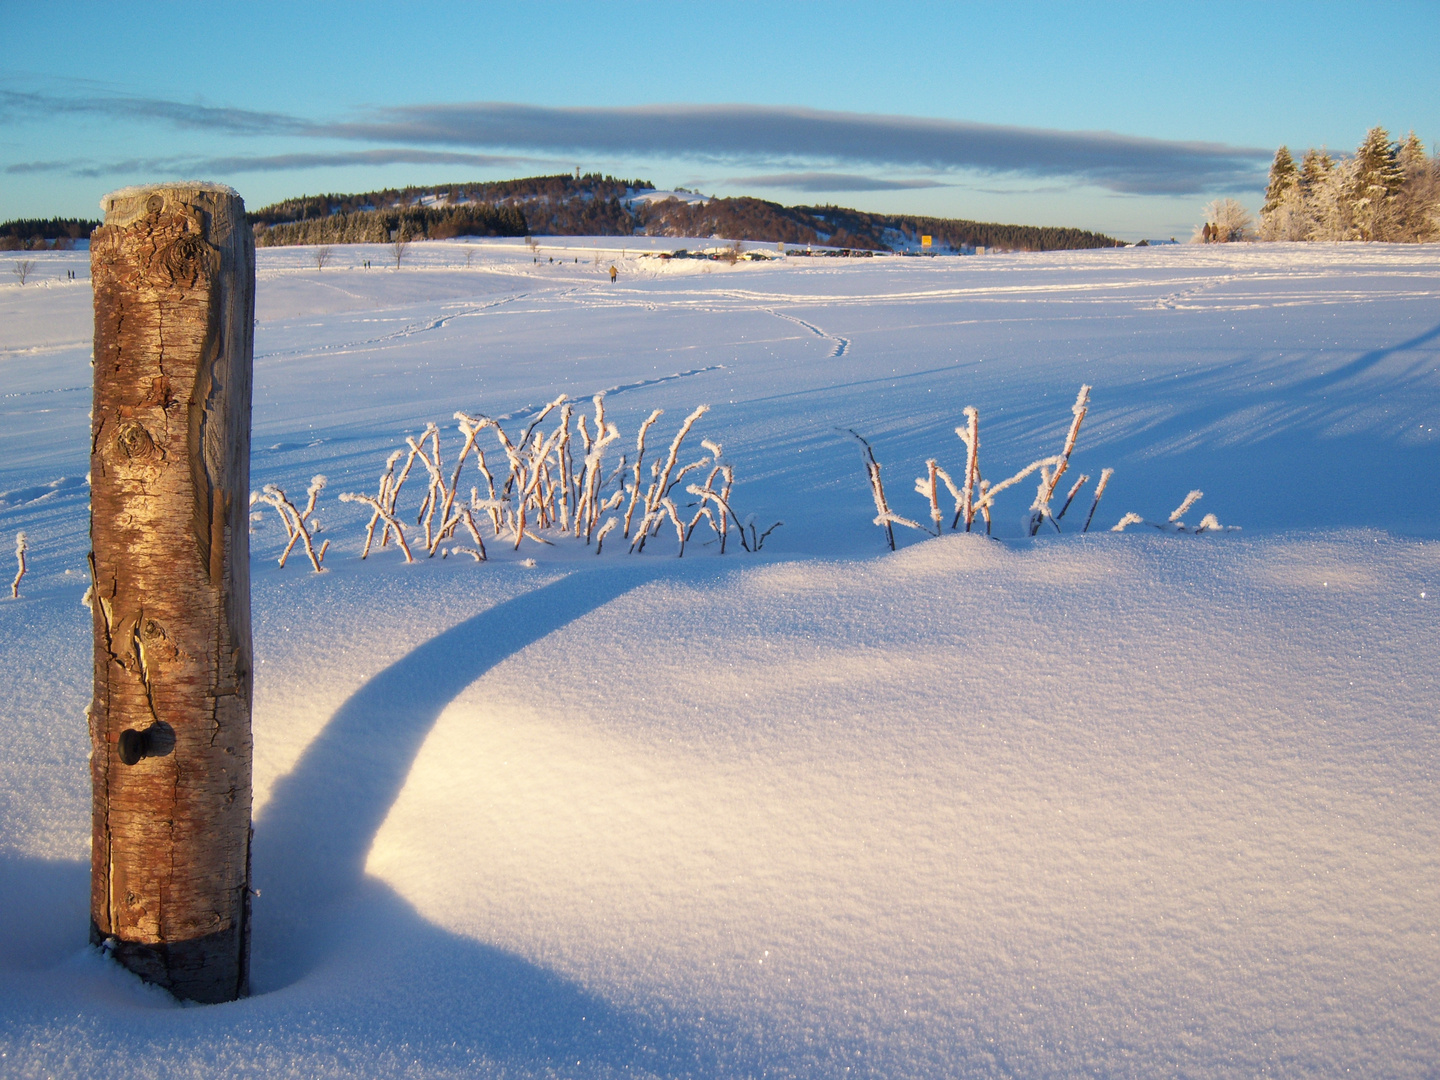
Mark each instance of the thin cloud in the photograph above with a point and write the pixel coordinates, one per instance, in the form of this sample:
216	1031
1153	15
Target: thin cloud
269	163
16	104
823	181
1122	164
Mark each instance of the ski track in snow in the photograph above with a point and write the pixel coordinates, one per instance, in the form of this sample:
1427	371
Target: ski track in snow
841	344
615	391
408	332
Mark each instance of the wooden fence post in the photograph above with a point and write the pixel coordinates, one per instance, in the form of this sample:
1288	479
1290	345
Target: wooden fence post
174	277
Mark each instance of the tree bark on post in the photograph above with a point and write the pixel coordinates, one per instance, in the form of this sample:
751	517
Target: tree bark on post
174	278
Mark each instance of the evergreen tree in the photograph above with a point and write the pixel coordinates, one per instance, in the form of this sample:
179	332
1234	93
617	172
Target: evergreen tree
1283	176
1282	217
1320	202
1417	204
1373	185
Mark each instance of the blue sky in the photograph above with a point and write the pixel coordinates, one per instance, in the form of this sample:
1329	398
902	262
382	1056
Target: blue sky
1124	118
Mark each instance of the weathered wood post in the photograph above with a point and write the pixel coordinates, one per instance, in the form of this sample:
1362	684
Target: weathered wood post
174	277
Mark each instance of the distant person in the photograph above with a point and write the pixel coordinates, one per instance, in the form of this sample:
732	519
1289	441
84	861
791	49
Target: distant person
613	272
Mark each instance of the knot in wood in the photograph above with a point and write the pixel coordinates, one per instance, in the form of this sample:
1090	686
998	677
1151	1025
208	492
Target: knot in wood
134	441
189	259
155	203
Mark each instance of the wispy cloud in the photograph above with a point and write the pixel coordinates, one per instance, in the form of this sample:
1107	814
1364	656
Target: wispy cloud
1122	163
759	135
264	163
825	181
16	105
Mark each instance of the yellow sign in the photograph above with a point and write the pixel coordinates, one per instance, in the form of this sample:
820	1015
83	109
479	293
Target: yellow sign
924	241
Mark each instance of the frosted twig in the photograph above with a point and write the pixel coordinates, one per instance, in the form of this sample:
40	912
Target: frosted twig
987	499
1129	519
970	436
567	500
884	516
1074	490
1190	500
663	483
22	545
605	530
386	516
1105	475
928	486
1209	523
386	478
297	522
639	457
1040	508
669	506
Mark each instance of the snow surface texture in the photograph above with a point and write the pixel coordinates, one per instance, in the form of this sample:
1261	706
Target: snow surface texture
1125	805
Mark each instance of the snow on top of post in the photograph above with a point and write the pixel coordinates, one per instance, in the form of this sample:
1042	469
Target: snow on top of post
128	204
175	185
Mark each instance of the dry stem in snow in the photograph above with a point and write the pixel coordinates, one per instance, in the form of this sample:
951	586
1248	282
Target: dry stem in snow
1131	518
298	523
1105	475
884	516
22	545
662	480
551	487
1040	508
965	498
976	495
1074	490
929	487
1174	524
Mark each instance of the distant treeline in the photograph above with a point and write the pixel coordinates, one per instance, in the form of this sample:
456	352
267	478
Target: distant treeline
836	226
28	234
558	188
590	205
1387	191
381	226
596	205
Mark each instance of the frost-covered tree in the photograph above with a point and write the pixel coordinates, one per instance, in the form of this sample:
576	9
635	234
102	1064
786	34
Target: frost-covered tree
1283	177
1373	184
1229	221
1320	197
1384	191
1283	217
1417	203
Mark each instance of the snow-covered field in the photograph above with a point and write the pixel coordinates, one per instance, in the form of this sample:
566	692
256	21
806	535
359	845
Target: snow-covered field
1128	805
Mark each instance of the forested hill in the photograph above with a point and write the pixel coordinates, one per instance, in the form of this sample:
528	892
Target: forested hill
837	226
595	205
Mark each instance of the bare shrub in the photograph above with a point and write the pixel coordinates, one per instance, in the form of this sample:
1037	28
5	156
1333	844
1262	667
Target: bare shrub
299	524
554	489
974	495
23	269
321	255
1175	523
398	246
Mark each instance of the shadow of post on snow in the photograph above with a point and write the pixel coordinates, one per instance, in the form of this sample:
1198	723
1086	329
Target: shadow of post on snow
385	974
313	835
